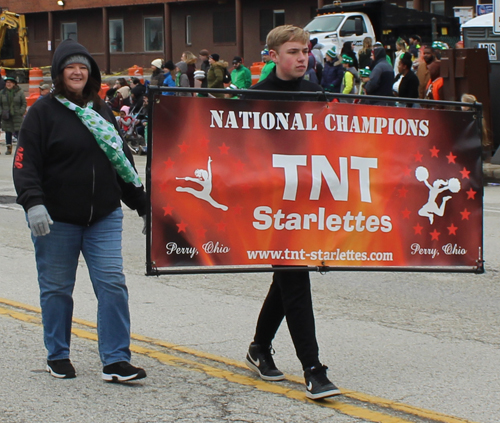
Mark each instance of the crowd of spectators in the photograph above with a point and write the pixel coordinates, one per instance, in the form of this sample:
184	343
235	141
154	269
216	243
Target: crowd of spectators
414	72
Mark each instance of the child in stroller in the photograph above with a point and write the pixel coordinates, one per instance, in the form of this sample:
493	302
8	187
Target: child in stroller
126	122
129	123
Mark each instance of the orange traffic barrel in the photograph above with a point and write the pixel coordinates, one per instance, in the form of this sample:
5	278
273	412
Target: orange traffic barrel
36	78
30	100
256	70
3	73
137	72
104	89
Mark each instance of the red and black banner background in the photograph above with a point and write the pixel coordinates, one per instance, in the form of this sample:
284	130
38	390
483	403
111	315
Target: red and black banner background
242	183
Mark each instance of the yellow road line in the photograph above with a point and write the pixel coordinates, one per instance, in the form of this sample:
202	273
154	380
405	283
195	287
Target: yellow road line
257	383
20	316
261	385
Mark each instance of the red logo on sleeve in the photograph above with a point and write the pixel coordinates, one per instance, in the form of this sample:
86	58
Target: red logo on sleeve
18	161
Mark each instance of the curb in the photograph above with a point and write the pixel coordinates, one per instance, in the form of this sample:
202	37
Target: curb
491	173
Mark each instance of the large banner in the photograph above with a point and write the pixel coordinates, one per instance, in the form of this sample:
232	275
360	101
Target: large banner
253	182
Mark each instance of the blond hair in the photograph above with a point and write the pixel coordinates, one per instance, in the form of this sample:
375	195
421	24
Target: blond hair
402	43
468	98
190	57
367	44
486	133
284	33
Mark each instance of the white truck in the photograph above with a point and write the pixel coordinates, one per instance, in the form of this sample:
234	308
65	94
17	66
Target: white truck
336	28
378	19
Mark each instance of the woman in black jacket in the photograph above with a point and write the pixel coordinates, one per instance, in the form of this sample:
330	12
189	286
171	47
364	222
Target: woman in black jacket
365	54
71	171
347	49
406	82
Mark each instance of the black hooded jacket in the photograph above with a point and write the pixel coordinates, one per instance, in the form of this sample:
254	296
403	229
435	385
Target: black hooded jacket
382	76
59	164
68	48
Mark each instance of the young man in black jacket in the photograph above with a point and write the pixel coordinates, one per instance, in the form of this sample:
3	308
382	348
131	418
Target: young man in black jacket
381	79
290	292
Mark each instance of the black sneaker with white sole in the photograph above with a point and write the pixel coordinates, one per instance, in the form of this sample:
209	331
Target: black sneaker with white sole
317	383
260	360
62	369
122	372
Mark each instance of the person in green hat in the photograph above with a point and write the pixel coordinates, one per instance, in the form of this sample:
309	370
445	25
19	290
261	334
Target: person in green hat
12	109
333	72
351	76
438	46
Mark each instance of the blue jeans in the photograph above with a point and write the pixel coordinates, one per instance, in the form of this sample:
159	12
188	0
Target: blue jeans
8	137
57	260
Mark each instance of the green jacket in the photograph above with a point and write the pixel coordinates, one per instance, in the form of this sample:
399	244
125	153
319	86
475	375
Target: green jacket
215	76
241	77
266	70
15	103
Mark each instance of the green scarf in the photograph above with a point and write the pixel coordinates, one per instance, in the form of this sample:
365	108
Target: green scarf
107	137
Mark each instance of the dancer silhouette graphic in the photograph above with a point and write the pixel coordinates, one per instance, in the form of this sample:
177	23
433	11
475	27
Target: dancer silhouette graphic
204	178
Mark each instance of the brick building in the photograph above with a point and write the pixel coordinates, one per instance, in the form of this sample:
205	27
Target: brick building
121	33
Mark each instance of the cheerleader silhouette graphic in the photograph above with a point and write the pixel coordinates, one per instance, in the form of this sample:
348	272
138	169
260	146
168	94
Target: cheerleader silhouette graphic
431	208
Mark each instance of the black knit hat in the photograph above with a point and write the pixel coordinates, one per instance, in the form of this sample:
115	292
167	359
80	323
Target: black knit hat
69	48
169	65
215	56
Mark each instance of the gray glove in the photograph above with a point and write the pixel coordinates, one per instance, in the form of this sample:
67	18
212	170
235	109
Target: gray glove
39	220
144	228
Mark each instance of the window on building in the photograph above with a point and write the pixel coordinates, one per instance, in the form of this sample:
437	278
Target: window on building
41	30
153	34
437	7
188	30
270	19
116	35
409	4
224	30
69	30
278	17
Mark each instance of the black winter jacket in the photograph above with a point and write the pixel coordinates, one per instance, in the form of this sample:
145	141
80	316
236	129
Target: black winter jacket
273	83
382	76
332	76
59	164
408	88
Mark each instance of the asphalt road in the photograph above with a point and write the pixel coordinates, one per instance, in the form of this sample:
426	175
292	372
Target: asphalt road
403	347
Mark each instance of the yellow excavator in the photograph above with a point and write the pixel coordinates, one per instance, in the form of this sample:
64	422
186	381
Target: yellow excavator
17	24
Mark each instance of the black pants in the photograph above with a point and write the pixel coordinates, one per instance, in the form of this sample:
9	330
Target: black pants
290	297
